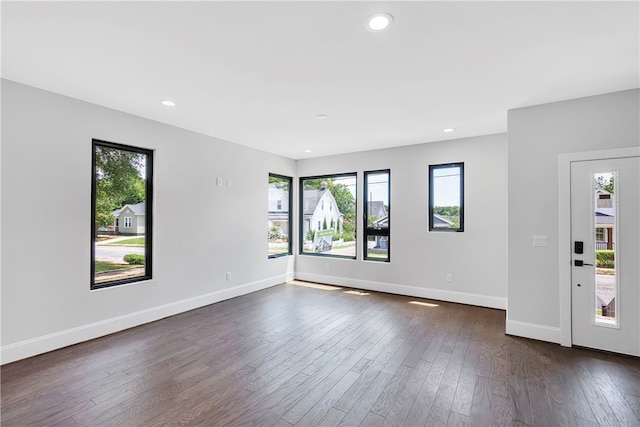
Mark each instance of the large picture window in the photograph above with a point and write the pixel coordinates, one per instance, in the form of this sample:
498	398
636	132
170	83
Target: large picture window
279	215
121	214
376	215
328	215
446	197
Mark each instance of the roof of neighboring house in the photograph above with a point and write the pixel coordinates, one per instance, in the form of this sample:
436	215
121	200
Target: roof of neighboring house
382	221
312	198
439	221
603	218
138	209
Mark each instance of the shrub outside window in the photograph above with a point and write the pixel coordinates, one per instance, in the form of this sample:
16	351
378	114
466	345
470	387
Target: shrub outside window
446	197
279	216
122	188
328	215
376	215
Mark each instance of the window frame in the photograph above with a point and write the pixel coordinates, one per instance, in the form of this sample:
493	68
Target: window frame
373	231
301	233
432	168
290	206
148	233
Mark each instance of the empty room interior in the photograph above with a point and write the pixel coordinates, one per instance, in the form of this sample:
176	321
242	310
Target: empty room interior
320	213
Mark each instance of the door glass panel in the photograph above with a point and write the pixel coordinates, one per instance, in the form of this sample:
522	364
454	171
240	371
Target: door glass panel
605	232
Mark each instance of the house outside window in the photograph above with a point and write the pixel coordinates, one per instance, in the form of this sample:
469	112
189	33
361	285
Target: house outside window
376	215
121	201
328	215
279	216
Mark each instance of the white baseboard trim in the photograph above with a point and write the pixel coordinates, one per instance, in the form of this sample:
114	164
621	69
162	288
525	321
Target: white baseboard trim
31	347
412	291
532	330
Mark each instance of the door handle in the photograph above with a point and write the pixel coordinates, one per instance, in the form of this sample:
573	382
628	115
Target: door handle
580	263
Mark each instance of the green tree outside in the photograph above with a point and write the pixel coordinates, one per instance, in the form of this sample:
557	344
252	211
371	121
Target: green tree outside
450	213
118	182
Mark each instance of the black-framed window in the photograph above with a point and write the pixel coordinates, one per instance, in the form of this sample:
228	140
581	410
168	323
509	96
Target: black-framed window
279	215
121	214
328	215
377	195
446	197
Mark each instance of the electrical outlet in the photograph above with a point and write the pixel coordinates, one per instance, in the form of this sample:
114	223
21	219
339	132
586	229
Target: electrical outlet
228	275
449	277
228	183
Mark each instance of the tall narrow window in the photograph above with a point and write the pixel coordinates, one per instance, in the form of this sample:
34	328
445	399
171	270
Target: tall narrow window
279	215
328	215
607	291
446	197
121	214
376	215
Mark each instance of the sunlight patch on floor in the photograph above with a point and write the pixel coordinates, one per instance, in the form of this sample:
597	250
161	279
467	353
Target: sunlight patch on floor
314	285
426	304
356	293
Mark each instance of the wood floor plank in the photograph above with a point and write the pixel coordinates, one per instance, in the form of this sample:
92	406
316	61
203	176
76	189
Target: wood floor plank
403	403
362	384
372	420
320	409
361	409
467	381
481	405
501	411
332	418
439	413
422	405
458	420
391	392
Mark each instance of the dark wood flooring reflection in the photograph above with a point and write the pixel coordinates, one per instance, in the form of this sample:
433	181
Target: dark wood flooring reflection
296	355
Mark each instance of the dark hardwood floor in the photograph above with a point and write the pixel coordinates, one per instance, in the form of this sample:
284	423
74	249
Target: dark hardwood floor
296	355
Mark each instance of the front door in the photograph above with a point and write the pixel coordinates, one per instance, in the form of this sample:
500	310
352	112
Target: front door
605	272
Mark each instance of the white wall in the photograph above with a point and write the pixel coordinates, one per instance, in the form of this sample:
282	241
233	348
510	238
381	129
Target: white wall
46	173
537	136
420	260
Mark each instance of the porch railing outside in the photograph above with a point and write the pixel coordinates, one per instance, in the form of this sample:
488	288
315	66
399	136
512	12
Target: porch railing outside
604	246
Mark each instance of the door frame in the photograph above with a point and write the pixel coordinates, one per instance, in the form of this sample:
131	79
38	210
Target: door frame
564	227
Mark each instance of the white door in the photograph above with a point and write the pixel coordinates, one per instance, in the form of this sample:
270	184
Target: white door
605	277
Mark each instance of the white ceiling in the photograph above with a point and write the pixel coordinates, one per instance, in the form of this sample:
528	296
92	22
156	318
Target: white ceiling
258	73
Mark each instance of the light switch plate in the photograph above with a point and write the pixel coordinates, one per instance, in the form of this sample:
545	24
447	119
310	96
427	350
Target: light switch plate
539	240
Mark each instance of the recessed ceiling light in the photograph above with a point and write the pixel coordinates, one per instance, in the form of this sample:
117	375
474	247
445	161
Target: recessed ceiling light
307	151
168	103
447	130
321	116
379	21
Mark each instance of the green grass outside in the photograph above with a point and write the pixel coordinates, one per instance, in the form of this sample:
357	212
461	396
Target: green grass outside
277	251
377	255
101	266
134	241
